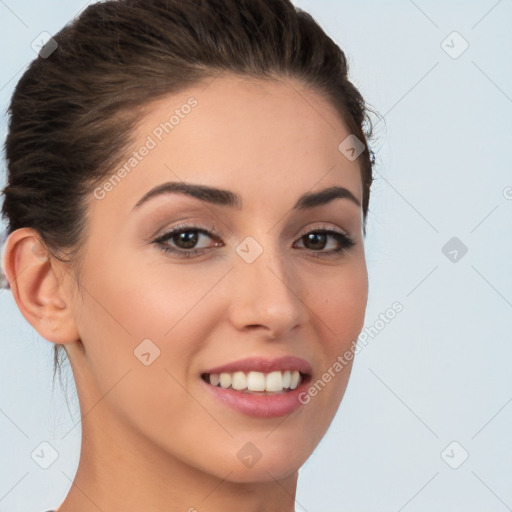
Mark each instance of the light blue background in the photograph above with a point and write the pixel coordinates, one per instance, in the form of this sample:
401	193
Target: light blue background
440	371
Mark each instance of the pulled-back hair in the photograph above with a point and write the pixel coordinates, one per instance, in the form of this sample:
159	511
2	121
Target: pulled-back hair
73	112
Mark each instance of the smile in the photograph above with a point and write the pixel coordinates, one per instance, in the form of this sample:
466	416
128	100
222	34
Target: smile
258	386
256	382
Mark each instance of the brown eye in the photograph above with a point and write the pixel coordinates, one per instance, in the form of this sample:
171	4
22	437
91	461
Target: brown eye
182	241
185	239
317	241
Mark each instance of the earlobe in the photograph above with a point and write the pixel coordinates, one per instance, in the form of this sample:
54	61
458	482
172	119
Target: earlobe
41	297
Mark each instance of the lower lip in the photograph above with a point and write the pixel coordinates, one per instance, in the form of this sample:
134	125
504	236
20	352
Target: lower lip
260	406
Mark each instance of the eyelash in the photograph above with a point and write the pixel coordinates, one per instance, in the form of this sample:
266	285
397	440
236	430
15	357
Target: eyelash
343	239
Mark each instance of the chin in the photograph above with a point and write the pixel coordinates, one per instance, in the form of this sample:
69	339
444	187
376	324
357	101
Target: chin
264	459
262	471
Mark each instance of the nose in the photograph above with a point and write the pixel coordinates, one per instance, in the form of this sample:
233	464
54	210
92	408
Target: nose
266	295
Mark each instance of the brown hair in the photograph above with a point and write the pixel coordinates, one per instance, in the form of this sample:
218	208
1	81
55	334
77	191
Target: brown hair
72	114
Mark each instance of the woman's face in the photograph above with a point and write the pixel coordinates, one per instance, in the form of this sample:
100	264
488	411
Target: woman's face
258	297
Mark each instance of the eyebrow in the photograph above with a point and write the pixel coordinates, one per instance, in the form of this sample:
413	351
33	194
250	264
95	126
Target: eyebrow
227	198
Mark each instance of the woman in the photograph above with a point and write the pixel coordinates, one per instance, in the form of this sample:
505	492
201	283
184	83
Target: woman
188	185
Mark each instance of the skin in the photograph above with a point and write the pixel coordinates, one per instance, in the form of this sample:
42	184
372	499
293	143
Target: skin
152	439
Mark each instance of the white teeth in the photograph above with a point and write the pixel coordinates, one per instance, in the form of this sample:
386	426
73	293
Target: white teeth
286	378
239	381
256	381
272	382
225	380
294	380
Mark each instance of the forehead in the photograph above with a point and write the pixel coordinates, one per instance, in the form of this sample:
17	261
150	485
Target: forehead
264	140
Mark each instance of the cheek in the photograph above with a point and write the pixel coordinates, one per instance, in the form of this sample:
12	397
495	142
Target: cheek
340	305
124	302
115	317
175	308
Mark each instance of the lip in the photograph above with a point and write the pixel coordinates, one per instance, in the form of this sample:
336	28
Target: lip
264	365
261	405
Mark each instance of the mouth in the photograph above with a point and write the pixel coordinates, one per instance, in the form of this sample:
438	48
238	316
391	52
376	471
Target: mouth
259	387
254	382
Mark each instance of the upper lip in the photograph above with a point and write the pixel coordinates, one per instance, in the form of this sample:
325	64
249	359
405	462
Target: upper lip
264	365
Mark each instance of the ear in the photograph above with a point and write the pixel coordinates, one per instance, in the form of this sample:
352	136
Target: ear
43	299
